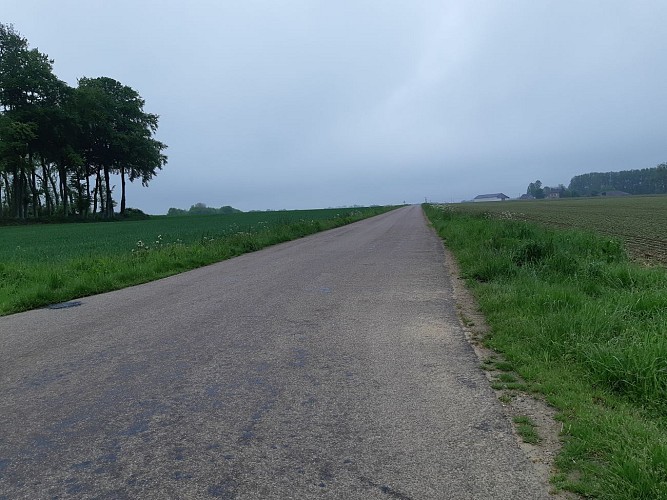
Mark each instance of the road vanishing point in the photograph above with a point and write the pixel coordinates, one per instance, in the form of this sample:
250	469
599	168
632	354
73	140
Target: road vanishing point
331	367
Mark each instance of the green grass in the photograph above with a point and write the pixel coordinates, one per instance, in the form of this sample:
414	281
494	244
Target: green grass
586	327
504	366
507	378
50	263
525	427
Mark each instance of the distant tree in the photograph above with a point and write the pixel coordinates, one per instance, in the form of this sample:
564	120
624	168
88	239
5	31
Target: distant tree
535	189
641	181
203	209
176	211
565	192
228	210
200	209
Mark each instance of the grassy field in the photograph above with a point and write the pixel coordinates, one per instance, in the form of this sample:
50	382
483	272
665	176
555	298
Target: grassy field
581	324
50	263
639	221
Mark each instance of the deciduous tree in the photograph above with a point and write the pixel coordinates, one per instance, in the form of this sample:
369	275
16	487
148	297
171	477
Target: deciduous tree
54	139
119	134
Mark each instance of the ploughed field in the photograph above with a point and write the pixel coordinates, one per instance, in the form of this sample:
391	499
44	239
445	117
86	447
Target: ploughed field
640	222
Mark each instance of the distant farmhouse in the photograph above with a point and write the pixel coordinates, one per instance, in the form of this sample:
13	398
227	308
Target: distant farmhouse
526	197
491	197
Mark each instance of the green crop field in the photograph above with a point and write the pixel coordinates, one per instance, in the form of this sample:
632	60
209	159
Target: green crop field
48	263
60	242
640	222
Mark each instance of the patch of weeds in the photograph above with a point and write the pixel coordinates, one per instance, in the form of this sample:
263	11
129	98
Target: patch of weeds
505	398
55	281
507	377
504	366
532	252
511	386
488	364
467	321
525	427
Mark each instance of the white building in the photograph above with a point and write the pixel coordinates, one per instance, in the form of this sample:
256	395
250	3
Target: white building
491	197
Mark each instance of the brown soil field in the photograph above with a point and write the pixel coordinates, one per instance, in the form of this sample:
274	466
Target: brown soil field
640	222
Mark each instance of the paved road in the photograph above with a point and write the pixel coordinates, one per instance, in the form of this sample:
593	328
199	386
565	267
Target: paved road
328	367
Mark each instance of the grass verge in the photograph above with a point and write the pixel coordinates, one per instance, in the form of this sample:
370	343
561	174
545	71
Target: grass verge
526	429
46	264
586	328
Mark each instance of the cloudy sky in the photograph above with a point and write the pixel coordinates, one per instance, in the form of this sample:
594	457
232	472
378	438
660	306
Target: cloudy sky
269	104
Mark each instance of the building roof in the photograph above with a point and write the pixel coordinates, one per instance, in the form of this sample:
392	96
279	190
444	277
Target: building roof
489	196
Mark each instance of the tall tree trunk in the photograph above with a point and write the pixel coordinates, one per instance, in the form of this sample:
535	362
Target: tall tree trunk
81	209
62	175
42	187
8	193
87	190
122	185
21	199
45	187
26	194
56	195
36	200
98	189
32	183
109	201
15	210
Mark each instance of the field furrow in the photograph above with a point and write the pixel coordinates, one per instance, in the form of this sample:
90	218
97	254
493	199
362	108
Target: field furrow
639	222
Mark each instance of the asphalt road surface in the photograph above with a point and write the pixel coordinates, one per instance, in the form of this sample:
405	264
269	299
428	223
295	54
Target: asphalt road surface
329	367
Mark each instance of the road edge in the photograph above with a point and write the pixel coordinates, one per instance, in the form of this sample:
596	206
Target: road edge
542	455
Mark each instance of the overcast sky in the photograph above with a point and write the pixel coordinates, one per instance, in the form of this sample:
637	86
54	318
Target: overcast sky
269	104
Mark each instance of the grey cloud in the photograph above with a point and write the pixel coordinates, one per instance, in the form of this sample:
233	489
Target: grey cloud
307	103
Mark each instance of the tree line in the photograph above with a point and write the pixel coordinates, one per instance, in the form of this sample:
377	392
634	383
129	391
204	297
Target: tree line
538	191
202	209
59	145
639	181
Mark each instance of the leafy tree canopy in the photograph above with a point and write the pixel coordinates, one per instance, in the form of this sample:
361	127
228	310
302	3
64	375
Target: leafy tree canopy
59	145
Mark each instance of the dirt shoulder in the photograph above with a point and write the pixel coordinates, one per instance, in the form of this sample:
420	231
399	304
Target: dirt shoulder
516	403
